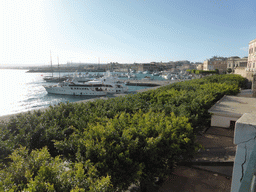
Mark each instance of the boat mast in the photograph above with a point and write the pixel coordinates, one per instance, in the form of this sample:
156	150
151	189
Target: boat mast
59	68
51	62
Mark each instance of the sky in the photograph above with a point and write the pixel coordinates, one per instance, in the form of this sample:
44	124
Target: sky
125	31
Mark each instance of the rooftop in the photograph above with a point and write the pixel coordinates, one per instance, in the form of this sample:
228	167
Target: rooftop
234	106
253	41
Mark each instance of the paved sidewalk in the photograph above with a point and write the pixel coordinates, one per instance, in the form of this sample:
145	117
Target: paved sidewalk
215	171
219	149
187	179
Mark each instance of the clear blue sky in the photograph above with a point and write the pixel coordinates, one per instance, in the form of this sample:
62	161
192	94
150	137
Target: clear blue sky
124	31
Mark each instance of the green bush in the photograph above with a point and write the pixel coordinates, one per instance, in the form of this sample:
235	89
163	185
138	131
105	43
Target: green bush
138	136
135	147
38	171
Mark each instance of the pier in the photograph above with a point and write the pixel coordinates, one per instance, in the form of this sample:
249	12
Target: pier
149	83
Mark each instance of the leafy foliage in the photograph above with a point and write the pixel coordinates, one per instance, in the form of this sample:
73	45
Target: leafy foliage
142	145
38	171
113	142
193	71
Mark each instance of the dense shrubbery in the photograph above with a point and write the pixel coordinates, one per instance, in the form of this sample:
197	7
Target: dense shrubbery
123	140
38	171
216	71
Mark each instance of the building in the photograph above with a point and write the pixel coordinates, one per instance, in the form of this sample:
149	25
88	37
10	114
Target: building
219	63
200	66
148	67
229	109
154	66
251	63
250	68
234	62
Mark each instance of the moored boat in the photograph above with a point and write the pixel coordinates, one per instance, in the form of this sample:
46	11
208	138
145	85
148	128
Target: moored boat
54	79
101	87
71	88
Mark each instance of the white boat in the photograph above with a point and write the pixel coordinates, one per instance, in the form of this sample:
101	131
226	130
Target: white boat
155	74
99	87
118	86
54	79
71	88
131	75
167	76
81	78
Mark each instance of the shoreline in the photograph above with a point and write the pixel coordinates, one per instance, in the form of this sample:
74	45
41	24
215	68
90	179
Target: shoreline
6	118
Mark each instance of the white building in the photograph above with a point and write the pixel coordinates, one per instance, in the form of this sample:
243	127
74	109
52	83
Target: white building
229	109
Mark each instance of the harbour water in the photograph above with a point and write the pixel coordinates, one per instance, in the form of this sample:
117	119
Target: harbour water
21	91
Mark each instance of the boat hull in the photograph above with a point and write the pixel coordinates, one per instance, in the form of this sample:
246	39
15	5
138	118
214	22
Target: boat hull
65	90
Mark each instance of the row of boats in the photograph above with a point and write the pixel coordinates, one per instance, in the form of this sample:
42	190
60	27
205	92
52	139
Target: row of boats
98	84
102	86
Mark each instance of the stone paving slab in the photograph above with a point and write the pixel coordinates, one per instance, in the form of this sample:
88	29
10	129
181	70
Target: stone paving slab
218	145
187	179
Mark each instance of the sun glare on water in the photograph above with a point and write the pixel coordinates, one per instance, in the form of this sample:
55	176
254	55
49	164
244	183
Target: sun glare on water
16	89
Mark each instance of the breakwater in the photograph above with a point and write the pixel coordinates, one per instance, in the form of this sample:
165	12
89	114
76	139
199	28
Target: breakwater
149	83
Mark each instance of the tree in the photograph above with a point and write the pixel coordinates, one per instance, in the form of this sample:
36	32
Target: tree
229	70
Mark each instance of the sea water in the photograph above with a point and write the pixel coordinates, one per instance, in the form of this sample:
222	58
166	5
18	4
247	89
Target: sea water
21	91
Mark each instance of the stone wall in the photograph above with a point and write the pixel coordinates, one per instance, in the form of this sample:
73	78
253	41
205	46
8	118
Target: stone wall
245	139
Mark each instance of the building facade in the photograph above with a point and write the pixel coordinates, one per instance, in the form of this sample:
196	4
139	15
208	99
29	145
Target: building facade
148	67
251	64
234	62
219	63
200	66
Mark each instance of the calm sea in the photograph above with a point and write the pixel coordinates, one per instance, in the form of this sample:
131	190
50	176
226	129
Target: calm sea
21	92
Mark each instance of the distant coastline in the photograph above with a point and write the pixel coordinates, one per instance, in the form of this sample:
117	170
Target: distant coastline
46	70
